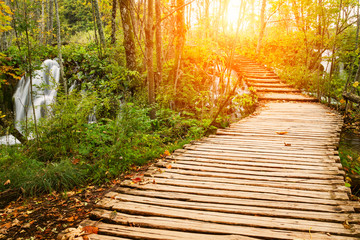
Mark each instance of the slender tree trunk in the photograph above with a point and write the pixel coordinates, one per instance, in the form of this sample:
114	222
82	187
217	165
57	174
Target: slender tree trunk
132	15
262	26
30	70
158	44
129	42
95	28
42	23
50	20
58	35
99	22
180	41
113	22
334	45
149	57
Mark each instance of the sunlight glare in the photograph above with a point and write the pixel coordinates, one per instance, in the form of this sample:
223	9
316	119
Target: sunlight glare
233	12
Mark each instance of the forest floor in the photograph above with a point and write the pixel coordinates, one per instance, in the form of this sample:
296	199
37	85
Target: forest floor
44	217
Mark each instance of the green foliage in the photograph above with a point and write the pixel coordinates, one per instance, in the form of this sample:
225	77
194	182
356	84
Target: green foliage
75	16
33	176
73	151
350	159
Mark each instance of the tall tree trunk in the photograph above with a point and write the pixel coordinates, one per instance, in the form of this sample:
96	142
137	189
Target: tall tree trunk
99	22
149	57
30	70
180	41
262	26
42	23
50	20
58	35
129	42
113	22
158	44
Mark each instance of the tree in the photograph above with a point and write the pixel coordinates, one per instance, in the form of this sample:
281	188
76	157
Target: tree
262	26
50	20
99	22
149	57
180	41
113	23
58	36
158	43
129	42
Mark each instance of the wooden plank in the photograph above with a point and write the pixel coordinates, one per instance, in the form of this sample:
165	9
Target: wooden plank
249	177
265	168
232	194
237	187
286	174
187	221
219	153
132	232
117	198
243	162
260	150
275	184
188	197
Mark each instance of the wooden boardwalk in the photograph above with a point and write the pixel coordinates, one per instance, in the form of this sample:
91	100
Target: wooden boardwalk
273	175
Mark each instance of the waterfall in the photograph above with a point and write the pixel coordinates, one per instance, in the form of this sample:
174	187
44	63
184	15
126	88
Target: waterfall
44	86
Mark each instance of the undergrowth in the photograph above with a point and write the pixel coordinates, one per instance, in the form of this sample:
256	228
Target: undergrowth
70	151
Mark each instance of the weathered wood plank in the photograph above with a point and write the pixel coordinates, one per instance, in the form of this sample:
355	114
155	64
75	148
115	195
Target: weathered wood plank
254	182
188	197
237	187
287	174
232	194
117	198
249	177
268	164
151	233
188	225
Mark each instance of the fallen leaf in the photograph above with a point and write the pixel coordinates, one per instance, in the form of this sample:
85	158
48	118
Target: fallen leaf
281	133
75	161
90	229
7	182
136	180
287	144
346	224
168	166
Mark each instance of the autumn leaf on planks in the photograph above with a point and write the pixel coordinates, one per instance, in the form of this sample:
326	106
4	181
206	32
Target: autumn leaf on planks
168	166
90	229
281	133
287	144
136	180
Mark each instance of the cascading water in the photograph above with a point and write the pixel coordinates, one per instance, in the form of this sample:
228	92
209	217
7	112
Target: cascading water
230	77
44	89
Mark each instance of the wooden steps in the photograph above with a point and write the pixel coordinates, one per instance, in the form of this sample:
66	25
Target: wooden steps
273	175
267	84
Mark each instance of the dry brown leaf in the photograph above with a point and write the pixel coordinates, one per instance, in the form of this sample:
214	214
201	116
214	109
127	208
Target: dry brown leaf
90	229
287	144
281	133
168	166
136	180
